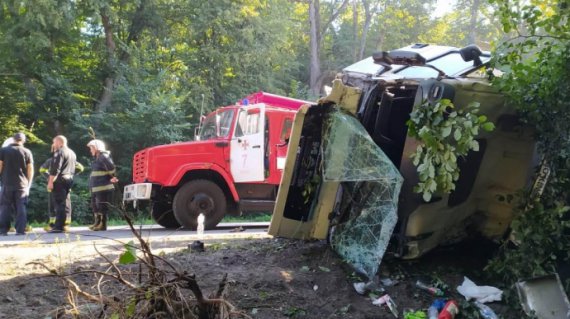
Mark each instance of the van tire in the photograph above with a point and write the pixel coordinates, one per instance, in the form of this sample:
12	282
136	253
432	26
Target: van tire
163	215
199	196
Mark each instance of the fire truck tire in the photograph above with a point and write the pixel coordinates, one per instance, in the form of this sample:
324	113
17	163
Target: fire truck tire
163	215
199	196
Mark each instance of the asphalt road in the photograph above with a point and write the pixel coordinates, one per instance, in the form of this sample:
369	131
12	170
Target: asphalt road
151	232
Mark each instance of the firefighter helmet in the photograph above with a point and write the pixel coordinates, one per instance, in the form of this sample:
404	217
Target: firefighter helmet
98	145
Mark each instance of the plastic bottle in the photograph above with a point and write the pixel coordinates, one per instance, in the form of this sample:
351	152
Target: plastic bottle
200	228
432	312
485	311
386	300
449	311
432	290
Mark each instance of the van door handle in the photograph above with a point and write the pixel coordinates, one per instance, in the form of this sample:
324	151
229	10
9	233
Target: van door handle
256	146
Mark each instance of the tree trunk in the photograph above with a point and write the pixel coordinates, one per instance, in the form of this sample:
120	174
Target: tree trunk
473	22
138	23
107	93
355	29
369	12
316	34
382	32
314	47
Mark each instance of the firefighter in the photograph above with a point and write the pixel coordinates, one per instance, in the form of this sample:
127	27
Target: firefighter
44	171
101	183
60	181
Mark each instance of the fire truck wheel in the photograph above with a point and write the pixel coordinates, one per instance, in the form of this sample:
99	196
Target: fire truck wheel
199	196
163	215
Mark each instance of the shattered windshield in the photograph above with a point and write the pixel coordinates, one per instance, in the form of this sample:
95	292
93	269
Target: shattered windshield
217	125
370	188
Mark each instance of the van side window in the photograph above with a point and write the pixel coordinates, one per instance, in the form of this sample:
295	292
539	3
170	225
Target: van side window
252	123
247	123
286	130
241	124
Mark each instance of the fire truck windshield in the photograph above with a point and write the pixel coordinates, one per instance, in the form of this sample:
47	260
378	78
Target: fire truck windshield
217	125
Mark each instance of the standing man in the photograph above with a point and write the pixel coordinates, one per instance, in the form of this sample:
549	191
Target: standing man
101	183
60	180
17	171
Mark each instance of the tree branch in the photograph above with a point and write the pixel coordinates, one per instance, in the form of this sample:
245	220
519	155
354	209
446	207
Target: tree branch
333	17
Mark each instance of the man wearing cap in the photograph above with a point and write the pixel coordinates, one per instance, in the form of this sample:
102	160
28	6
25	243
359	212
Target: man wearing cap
101	183
60	180
16	171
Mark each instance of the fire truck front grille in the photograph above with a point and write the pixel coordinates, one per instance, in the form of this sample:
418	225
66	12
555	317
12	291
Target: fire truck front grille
139	166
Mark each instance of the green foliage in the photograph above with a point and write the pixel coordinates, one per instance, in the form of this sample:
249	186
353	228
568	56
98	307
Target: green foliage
446	134
536	80
540	248
129	256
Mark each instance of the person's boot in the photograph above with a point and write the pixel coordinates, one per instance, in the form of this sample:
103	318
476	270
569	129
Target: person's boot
50	224
67	224
102	224
96	220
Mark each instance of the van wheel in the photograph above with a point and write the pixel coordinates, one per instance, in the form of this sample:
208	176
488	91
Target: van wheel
199	196
163	215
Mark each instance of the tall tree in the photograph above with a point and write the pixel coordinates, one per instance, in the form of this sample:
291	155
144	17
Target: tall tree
370	10
473	21
316	34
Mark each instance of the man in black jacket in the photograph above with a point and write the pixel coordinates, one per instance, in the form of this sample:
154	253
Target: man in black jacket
17	171
60	181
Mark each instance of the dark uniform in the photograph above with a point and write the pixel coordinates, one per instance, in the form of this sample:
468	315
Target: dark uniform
102	171
44	170
62	166
15	186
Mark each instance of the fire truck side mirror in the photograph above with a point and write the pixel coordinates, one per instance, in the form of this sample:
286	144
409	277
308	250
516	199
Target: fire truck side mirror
197	133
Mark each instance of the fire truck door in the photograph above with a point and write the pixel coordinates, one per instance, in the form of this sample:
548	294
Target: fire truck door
247	146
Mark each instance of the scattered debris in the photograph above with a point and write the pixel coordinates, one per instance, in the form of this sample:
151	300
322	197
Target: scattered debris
324	269
486	311
363	287
387	282
482	294
544	296
432	290
449	311
412	314
197	246
237	229
435	308
387	300
432	312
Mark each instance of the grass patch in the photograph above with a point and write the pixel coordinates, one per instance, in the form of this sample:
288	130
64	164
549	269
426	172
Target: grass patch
265	217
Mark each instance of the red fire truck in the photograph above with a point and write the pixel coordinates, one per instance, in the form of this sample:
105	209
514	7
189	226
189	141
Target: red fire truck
234	166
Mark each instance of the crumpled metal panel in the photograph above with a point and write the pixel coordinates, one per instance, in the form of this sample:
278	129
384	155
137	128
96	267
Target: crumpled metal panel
370	182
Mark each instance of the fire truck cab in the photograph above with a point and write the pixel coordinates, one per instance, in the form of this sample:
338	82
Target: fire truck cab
234	166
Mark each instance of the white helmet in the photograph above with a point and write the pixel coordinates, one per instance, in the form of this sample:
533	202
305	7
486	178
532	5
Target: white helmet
98	145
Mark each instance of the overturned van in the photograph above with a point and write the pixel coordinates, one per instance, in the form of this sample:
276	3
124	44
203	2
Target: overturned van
349	174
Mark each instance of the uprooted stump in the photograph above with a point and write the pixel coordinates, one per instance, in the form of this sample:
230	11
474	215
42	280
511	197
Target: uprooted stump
155	289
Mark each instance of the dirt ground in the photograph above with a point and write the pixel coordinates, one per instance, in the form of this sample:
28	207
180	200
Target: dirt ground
268	278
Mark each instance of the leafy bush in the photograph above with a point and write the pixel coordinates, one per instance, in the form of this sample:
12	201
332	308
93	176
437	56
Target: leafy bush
536	80
446	133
